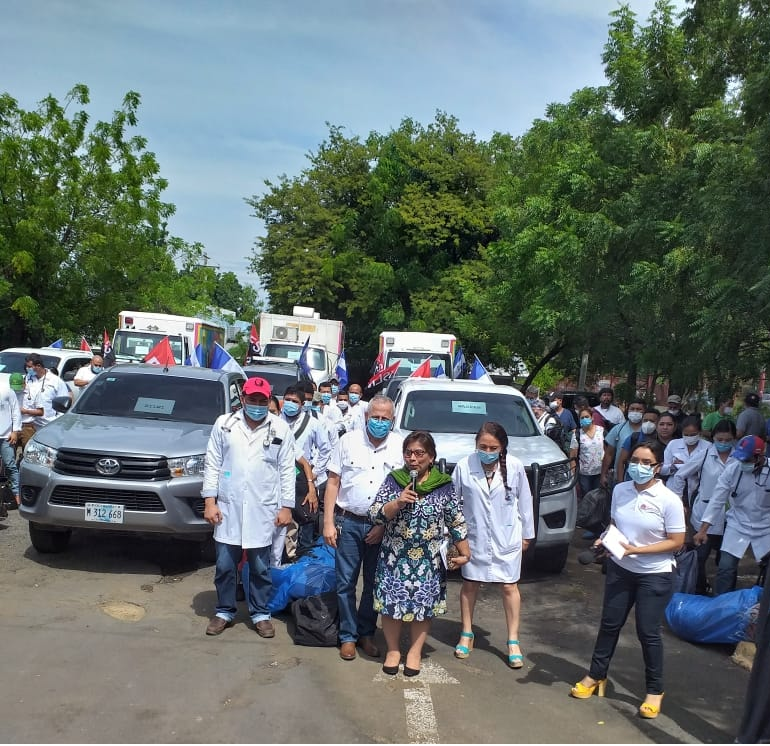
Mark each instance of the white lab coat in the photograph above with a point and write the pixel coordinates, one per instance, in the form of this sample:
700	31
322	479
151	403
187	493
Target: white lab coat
252	475
747	521
497	519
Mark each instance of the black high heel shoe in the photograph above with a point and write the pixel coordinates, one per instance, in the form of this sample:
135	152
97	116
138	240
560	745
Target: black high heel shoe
410	671
391	670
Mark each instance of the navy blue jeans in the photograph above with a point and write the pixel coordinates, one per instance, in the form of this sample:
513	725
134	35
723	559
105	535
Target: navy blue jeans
260	581
353	555
650	594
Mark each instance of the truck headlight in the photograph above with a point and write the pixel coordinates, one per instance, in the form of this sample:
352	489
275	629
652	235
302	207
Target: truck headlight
556	478
37	453
187	466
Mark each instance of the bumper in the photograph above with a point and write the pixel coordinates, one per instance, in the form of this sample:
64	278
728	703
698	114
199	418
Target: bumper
556	518
171	506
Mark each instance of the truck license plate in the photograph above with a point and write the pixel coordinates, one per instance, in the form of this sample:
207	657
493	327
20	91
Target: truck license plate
104	512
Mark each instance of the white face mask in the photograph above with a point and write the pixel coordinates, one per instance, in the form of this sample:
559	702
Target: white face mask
648	428
727	410
635	417
690	440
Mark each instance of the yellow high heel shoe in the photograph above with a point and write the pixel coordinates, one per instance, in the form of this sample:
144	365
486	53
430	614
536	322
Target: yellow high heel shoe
650	711
581	691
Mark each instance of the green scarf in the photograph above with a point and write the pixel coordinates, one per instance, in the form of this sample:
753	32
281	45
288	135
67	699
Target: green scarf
435	479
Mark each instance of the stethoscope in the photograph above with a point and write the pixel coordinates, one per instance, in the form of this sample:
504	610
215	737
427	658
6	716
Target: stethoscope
269	434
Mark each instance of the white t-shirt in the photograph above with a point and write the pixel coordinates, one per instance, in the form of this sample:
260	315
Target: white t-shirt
645	518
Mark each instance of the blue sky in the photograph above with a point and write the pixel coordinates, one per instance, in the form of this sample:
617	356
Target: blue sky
238	91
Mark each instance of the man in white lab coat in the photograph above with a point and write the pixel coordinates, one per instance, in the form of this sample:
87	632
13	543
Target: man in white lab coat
248	490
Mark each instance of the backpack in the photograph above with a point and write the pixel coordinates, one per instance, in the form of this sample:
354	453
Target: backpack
316	620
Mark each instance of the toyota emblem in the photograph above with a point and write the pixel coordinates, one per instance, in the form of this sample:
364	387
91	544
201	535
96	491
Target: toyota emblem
108	466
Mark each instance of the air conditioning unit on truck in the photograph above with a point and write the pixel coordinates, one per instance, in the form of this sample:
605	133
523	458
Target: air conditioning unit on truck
413	348
283	336
139	331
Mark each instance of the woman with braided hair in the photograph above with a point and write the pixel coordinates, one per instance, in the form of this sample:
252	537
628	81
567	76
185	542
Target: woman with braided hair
497	503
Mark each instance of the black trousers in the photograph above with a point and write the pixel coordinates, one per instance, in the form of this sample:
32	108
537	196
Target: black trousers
650	594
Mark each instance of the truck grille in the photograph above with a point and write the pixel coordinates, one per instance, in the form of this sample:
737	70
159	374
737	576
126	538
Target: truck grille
77	497
83	464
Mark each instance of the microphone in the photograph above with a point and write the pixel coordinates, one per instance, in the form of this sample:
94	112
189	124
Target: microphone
413	480
586	557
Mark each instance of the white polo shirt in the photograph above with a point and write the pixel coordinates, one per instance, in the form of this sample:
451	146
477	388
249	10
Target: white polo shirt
362	468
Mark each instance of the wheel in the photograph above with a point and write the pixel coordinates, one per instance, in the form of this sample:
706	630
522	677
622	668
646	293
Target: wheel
551	560
47	541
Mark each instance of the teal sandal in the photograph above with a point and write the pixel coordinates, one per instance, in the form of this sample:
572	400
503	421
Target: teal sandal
463	651
515	660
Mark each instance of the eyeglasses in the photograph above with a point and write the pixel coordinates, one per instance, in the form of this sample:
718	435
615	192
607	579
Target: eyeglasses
643	462
414	452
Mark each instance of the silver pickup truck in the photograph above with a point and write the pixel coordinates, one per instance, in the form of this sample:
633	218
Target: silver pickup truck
453	411
127	456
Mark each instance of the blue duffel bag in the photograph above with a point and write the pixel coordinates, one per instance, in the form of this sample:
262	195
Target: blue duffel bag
728	618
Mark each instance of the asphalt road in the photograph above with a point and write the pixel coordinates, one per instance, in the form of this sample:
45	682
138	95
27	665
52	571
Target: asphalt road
106	643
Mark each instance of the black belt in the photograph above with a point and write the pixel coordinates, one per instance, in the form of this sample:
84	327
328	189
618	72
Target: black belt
352	516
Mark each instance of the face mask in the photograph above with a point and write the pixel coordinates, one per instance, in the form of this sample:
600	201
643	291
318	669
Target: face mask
648	428
690	440
378	428
747	467
335	390
585	422
488	457
531	401
307	406
315	409
31	374
641	474
675	412
255	412
326	398
96	369
343	405
723	446
355	398
727	410
635	417
290	408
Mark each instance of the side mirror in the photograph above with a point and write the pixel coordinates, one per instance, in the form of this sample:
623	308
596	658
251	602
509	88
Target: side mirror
61	404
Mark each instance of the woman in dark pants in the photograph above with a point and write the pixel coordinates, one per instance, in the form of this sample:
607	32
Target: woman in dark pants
651	518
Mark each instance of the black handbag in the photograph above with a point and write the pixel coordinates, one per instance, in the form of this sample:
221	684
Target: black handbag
316	620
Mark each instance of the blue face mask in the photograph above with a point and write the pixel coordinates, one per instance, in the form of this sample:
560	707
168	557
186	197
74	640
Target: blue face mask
488	457
307	406
255	412
343	405
326	398
378	428
290	408
31	374
640	473
335	390
722	446
355	398
96	369
315	409
585	422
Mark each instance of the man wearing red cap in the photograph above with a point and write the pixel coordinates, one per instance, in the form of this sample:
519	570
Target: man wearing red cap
744	485
248	490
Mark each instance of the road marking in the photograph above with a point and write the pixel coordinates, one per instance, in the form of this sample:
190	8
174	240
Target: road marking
421	725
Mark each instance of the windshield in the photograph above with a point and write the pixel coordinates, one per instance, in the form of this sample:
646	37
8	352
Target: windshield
279	382
316	358
465	411
13	362
410	361
152	397
130	345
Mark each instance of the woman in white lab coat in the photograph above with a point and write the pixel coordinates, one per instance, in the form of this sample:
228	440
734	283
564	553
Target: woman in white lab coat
497	503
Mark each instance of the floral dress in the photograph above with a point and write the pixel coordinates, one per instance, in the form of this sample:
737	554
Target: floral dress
410	582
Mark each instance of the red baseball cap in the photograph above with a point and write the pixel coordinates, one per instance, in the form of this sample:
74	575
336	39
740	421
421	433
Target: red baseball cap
257	385
748	447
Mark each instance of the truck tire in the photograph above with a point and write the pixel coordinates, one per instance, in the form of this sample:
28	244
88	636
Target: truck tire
551	560
47	541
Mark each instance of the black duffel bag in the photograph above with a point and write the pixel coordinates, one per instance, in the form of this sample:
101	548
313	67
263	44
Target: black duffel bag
316	620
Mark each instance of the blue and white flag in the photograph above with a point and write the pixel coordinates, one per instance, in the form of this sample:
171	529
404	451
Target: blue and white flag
479	372
458	364
59	344
196	360
223	360
341	371
439	372
303	358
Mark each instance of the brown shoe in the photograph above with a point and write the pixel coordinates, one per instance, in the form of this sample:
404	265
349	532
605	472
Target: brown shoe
265	628
217	626
348	651
368	647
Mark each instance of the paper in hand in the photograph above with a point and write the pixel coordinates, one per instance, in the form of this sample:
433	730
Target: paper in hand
611	540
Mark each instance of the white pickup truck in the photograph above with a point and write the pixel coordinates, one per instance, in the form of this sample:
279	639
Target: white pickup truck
453	411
